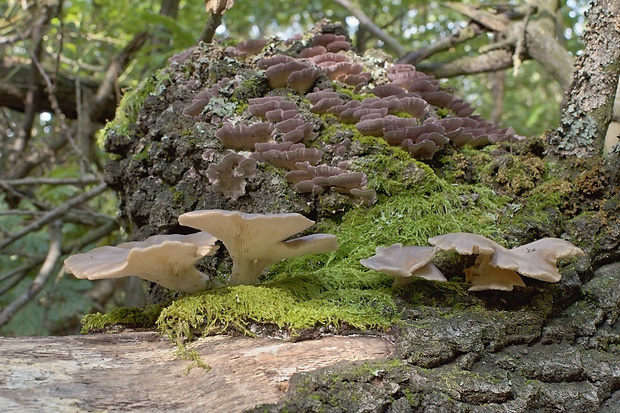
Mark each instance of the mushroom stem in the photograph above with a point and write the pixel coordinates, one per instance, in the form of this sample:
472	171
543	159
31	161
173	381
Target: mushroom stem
246	272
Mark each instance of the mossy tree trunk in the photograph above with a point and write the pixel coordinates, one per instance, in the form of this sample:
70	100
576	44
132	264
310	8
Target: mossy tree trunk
590	99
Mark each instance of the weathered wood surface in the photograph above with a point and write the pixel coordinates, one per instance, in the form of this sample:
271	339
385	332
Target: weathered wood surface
139	371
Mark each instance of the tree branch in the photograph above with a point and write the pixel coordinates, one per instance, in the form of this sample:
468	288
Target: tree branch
460	36
14	86
390	42
52	181
53	214
488	62
40	280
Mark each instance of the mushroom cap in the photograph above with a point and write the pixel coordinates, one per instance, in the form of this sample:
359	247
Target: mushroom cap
404	262
253	234
203	240
399	261
167	260
465	243
538	259
255	241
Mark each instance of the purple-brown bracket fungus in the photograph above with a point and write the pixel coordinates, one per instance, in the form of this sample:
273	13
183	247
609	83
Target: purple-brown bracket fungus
167	260
243	137
404	263
497	268
230	174
255	241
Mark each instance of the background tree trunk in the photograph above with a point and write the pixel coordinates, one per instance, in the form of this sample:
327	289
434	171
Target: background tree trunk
589	108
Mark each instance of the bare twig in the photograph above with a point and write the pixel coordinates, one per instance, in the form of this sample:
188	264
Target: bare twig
365	21
22	212
86	180
77	245
67	131
40	280
53	214
215	10
19	274
488	62
92	236
460	36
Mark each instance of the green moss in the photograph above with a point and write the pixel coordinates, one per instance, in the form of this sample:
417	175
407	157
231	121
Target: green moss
143	154
282	305
347	90
542	205
124	316
177	197
130	105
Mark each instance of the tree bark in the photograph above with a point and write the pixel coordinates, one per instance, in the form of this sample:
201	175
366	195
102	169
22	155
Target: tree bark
140	372
589	108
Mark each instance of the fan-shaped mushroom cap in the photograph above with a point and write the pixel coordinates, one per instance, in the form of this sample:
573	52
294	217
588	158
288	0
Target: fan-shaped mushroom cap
254	241
497	267
404	263
539	259
167	260
465	243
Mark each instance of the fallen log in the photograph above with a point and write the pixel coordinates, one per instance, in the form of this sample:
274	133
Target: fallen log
140	371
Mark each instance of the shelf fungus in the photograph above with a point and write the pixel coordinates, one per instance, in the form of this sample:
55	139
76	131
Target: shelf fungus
229	175
498	268
167	260
404	263
255	241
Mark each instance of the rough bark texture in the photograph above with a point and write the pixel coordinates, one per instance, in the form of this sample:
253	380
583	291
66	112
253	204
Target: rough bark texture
590	100
140	372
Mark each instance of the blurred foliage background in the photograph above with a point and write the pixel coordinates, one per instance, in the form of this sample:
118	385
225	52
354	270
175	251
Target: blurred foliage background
52	202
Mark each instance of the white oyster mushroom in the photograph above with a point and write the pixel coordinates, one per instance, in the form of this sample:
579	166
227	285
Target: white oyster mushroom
498	268
167	260
255	241
404	263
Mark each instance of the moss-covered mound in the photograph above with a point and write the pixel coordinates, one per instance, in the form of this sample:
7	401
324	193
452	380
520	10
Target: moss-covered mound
370	188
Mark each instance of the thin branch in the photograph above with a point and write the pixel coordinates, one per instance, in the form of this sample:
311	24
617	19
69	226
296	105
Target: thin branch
53	215
116	68
40	280
489	62
77	245
78	216
67	131
460	36
52	181
21	269
21	212
390	42
90	237
19	273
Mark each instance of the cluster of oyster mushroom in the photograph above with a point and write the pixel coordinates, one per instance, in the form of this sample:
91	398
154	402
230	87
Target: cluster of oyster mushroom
495	267
255	241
